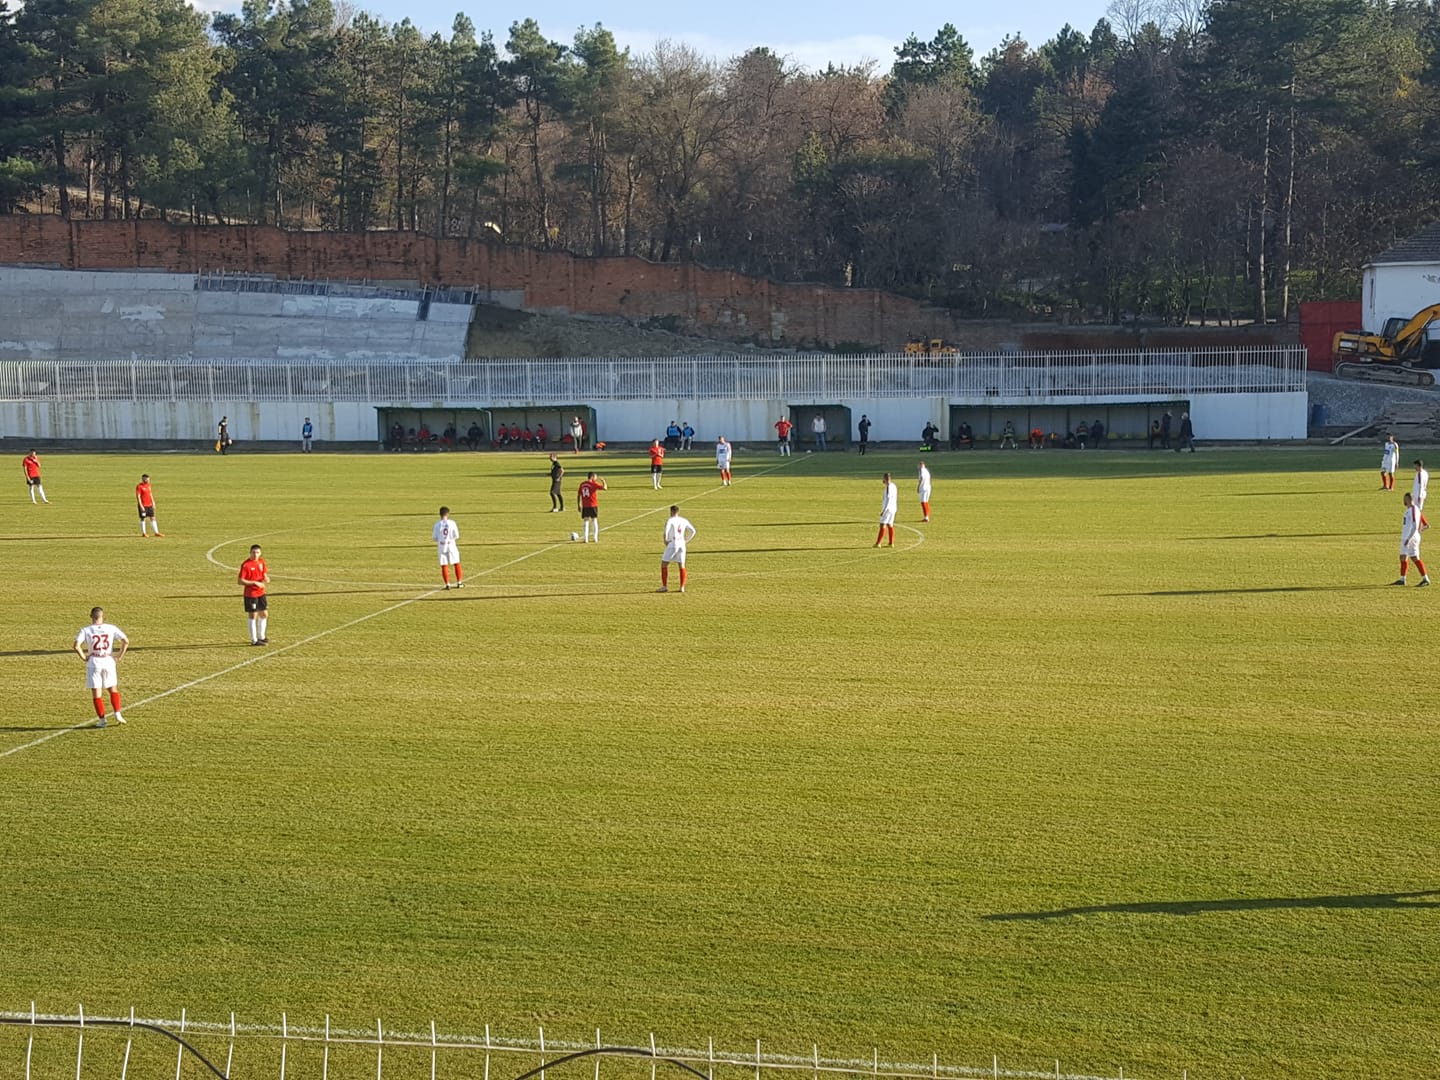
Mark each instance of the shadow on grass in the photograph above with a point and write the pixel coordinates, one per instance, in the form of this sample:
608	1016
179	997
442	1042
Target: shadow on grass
802	524
38	727
1257	589
447	599
762	551
1272	494
133	649
292	592
1283	536
1396	901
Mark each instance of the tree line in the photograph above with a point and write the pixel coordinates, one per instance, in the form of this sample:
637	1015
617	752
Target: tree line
1183	161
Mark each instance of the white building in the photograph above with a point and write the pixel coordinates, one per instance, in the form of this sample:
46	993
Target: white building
1402	280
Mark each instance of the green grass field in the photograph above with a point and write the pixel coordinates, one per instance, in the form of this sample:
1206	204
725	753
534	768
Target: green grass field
1126	759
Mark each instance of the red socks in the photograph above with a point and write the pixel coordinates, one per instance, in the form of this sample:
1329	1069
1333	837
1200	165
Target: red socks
665	573
682	578
880	536
891	530
1421	567
115	694
99	707
458	575
925	508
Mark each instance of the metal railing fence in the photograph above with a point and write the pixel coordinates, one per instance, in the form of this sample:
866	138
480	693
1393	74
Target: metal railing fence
803	379
118	1048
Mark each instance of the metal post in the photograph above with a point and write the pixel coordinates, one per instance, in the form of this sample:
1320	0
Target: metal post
80	1048
284	1042
711	1073
325	1061
180	1052
30	1044
487	1052
230	1055
597	1056
757	1059
432	1050
542	1052
652	1034
379	1050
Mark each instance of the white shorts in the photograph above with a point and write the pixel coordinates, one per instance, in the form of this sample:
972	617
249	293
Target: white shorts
887	518
100	673
925	494
1411	548
449	555
674	553
1388	463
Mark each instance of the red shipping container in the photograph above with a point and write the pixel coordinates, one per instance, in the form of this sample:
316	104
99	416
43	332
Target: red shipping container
1320	321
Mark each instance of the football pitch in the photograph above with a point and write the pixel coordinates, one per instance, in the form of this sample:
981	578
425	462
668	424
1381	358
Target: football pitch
1126	759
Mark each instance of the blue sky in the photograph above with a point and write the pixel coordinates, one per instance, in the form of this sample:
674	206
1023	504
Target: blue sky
844	31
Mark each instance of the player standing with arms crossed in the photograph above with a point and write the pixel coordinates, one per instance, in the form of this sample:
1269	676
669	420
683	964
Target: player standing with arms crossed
446	535
95	644
724	451
888	506
923	490
254	576
31	468
678	533
145	503
657	463
589	491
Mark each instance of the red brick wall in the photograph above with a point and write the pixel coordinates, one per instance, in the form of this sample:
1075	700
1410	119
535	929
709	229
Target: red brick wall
717	303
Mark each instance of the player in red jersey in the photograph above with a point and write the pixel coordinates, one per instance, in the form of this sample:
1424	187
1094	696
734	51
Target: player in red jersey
254	576
657	463
589	491
145	503
31	468
782	430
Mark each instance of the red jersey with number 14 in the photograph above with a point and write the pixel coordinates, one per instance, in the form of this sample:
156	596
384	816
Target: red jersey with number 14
254	570
590	493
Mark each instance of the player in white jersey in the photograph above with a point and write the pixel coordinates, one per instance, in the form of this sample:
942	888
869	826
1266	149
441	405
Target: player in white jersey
1410	529
96	645
1419	489
888	506
1389	459
446	535
724	451
678	533
923	490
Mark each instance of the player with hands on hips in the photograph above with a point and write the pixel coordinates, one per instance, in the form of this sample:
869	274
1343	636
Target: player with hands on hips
678	534
95	644
888	505
922	488
724	452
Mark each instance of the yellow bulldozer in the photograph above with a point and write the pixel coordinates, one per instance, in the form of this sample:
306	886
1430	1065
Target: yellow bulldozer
1400	354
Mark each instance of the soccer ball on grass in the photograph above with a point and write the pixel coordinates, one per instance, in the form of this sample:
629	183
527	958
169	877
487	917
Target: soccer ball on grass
574	537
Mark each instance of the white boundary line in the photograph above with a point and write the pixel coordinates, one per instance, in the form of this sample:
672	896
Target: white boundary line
209	556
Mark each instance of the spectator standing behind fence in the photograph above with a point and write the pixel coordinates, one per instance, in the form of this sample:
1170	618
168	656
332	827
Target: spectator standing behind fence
1097	435
307	435
222	435
817	428
1187	434
577	434
1165	422
864	427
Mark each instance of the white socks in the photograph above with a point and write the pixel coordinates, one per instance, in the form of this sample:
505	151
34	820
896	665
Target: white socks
263	620
254	630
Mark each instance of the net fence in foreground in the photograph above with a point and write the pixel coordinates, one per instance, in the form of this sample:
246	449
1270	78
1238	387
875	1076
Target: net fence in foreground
38	1046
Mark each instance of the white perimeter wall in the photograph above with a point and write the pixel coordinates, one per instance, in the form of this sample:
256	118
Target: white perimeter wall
1215	416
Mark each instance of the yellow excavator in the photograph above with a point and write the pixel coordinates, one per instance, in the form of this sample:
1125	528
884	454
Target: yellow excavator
933	347
1400	354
